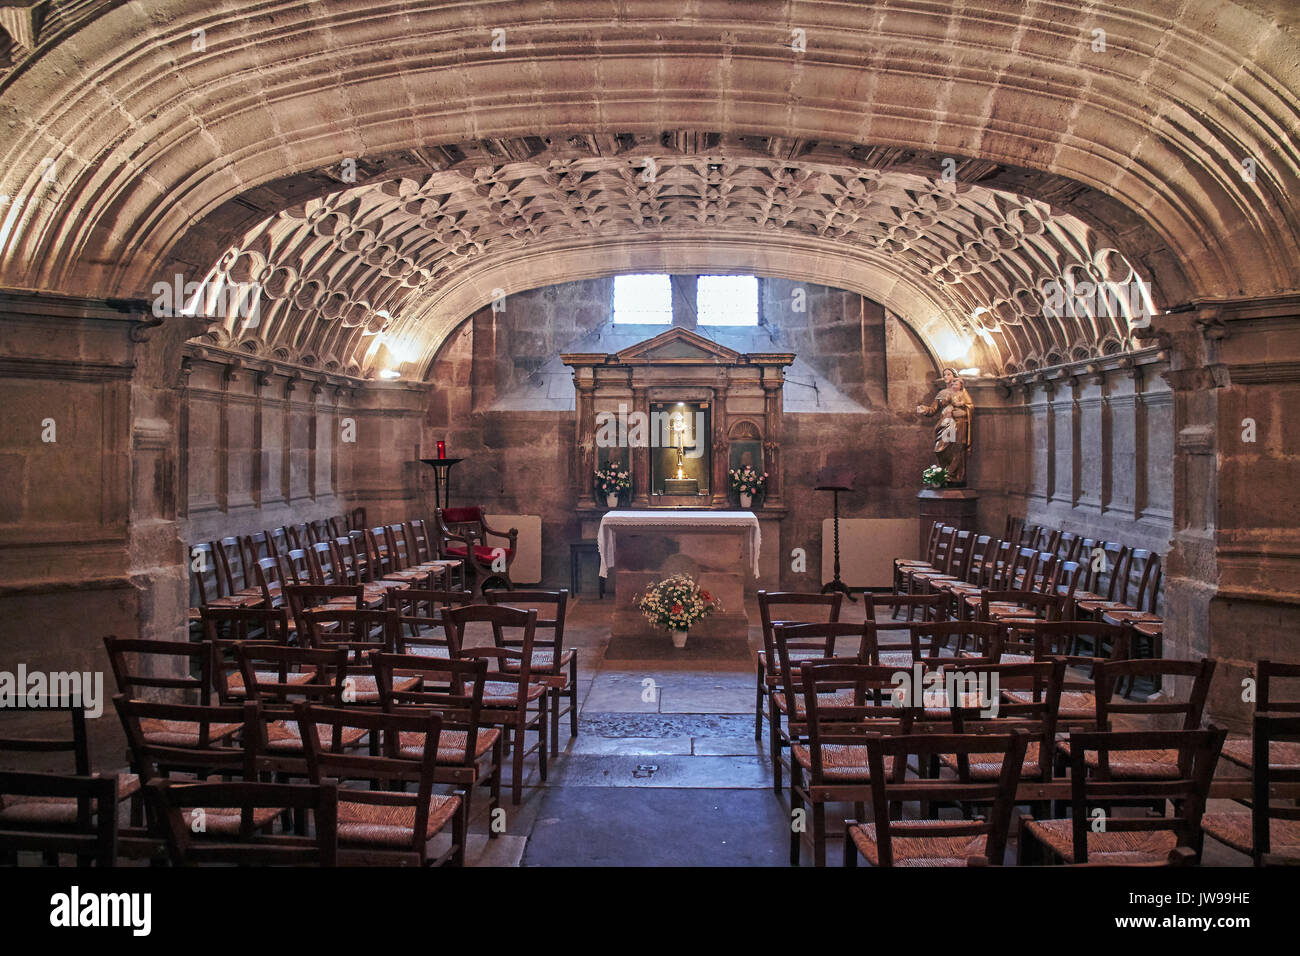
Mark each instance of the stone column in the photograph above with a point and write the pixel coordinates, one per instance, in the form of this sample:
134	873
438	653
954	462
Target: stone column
640	456
773	416
720	492
584	458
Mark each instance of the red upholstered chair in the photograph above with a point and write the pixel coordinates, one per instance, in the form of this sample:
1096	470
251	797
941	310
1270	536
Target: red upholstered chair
463	534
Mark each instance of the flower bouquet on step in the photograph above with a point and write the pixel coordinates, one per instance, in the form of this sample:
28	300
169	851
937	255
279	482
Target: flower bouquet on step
747	483
612	483
676	603
936	476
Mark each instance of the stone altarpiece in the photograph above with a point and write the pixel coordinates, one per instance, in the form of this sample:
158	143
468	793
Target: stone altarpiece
741	392
742	395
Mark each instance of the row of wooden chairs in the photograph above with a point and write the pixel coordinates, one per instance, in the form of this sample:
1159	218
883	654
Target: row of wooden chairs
246	571
1098	580
425	622
830	671
240	571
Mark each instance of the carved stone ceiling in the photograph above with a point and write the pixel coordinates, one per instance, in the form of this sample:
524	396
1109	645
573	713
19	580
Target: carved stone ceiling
337	270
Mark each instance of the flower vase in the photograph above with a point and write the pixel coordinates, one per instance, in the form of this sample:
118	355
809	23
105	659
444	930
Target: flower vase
746	500
679	638
611	500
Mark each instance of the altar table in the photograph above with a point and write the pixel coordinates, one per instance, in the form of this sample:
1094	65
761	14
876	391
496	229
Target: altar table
700	521
716	548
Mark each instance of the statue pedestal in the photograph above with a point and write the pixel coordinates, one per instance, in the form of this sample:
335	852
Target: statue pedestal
952	506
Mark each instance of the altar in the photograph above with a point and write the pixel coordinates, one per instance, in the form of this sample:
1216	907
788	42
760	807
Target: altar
719	549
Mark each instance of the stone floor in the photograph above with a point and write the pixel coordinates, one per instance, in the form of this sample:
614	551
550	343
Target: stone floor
664	771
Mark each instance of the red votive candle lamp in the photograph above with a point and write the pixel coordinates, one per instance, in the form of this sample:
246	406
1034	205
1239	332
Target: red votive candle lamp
442	449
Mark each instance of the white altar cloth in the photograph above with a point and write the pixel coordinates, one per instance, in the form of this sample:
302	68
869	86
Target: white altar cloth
668	520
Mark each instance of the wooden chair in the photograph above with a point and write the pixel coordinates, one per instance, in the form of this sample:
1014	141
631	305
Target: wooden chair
464	534
253	547
51	811
982	549
184	668
797	645
1067	548
552	665
1270	832
296	568
925	581
1128	840
1026	696
945	554
898	653
402	549
245	845
359	631
361	559
236	576
892	841
469	753
839	704
765	676
422	616
930	639
1145	610
1036	640
420	541
1011	528
423	543
280	678
1152	764
210	740
277	542
385	827
510	693
227	628
387	564
1107	573
189	738
771	609
925	561
1002	606
1065	584
271	578
986	570
56	813
329	565
1282	755
1037	575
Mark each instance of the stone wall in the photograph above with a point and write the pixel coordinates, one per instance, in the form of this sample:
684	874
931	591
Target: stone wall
519	454
88	467
1086	452
265	447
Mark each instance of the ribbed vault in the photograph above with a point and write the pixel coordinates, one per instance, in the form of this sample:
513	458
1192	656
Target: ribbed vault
135	154
410	258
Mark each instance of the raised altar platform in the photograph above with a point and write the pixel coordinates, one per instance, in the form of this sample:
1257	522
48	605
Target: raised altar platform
720	549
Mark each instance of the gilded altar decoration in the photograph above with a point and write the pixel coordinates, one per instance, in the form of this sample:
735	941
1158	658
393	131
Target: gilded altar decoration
952	433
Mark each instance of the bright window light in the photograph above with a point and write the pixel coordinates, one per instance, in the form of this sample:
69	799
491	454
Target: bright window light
727	300
643	299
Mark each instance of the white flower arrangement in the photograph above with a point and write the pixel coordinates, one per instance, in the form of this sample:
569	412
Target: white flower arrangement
676	603
747	481
613	480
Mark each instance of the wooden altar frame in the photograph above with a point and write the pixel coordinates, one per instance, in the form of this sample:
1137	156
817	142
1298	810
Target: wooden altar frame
679	365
